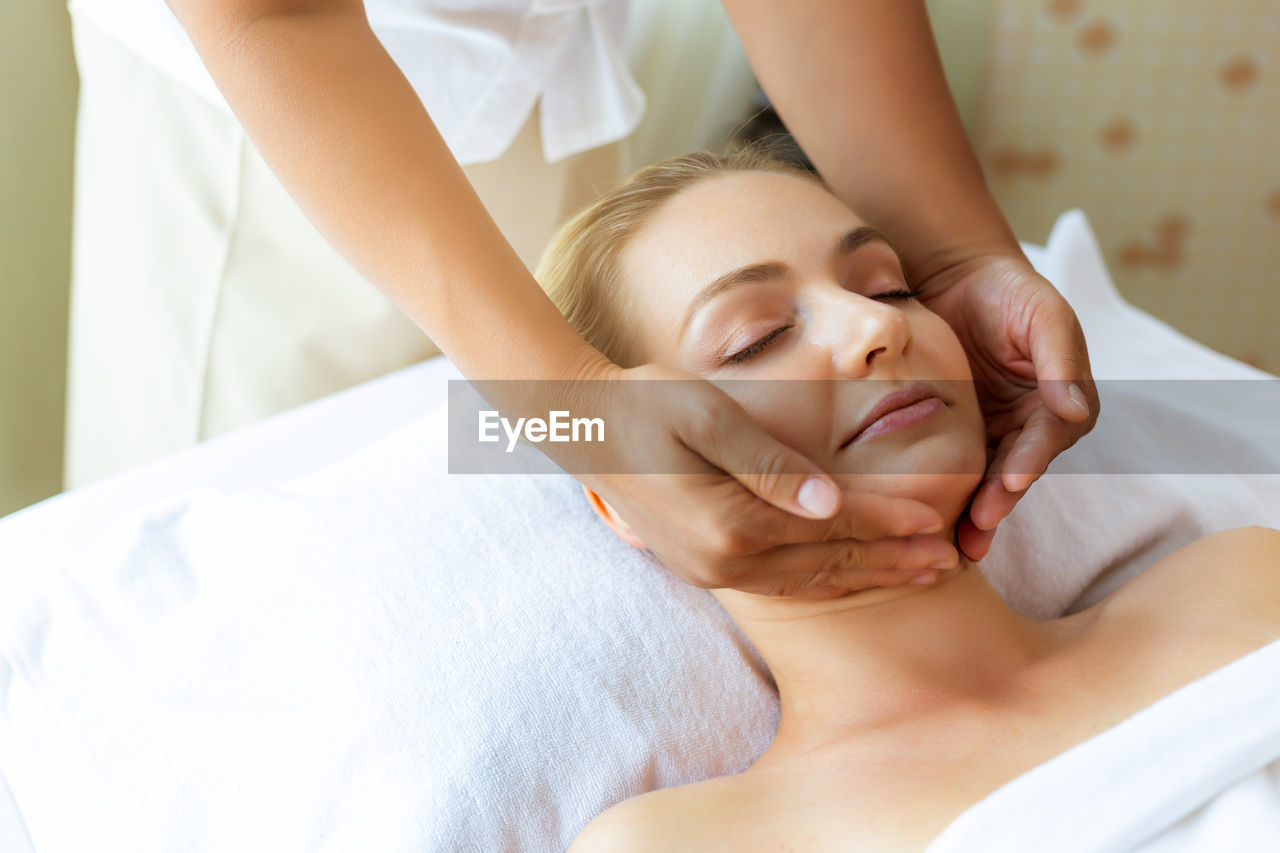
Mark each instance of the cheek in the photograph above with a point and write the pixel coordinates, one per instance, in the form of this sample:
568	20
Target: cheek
940	465
944	468
940	350
796	412
943	357
942	471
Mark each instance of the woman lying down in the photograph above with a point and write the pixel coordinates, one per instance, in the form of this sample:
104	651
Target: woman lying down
901	706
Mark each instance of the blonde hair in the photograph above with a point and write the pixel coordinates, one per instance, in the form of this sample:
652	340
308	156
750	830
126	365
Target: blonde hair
581	270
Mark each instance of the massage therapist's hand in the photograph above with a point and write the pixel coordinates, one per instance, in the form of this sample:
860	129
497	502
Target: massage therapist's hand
777	526
1031	368
861	86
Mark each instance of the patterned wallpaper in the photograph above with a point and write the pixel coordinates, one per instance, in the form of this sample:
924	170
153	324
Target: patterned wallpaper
1161	120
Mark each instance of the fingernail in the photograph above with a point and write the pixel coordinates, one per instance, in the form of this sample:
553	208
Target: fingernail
932	528
1077	397
1020	482
943	564
818	497
925	578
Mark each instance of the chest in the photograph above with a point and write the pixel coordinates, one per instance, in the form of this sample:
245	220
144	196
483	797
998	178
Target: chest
902	788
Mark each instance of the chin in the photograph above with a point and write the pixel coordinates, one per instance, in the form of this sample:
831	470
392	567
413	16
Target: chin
942	470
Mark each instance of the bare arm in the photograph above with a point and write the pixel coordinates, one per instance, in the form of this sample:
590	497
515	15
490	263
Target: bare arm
337	121
348	137
860	85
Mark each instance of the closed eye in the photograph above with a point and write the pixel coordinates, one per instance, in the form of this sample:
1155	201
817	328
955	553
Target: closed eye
759	346
900	294
756	348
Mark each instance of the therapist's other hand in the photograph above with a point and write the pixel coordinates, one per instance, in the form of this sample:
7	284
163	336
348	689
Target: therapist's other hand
777	526
1027	353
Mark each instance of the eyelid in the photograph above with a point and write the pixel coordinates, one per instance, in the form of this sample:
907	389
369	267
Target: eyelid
756	347
900	293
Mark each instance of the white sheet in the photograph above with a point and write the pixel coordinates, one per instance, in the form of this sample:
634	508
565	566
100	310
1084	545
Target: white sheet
378	656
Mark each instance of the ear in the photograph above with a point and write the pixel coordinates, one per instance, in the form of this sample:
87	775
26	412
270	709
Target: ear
610	517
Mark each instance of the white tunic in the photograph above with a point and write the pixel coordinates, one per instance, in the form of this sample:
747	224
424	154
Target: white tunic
479	66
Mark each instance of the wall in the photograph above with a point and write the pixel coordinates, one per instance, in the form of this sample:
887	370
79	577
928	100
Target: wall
1162	122
37	118
962	29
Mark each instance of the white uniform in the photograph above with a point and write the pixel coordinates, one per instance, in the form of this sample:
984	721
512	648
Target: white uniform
203	300
479	66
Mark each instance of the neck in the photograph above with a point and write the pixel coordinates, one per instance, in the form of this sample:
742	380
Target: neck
873	657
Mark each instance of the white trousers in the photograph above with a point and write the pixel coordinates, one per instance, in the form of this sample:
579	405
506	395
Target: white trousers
202	299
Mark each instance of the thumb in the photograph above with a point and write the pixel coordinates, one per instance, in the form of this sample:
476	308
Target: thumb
765	466
1061	360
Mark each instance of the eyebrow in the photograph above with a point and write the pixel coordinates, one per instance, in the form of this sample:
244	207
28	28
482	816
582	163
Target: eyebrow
770	271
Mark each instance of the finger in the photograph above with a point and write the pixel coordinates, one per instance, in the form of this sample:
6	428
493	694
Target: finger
865	515
889	577
992	501
862	516
848	564
1022	458
1061	358
992	505
974	542
728	438
817	586
1037	444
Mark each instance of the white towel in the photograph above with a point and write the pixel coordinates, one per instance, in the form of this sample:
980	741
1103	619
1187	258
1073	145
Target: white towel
1197	772
375	657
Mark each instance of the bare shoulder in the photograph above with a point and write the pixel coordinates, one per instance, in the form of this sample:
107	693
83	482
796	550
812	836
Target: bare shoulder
1236	571
1254	546
640	823
689	817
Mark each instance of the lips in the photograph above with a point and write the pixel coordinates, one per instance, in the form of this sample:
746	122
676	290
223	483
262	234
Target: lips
891	403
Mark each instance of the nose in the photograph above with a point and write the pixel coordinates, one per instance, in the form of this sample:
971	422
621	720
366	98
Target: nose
870	335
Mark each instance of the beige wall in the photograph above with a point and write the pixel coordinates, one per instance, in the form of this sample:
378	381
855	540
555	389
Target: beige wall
37	117
1160	122
963	28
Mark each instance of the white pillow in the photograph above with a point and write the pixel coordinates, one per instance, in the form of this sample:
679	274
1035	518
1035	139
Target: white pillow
374	657
379	656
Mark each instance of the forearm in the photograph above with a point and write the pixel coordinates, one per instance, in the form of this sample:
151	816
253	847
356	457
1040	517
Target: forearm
346	134
860	85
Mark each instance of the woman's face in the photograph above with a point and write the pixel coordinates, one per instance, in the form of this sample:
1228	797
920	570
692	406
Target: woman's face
765	276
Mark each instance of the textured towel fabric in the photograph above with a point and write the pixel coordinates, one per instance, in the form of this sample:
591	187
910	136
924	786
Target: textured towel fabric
333	664
1197	772
378	656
